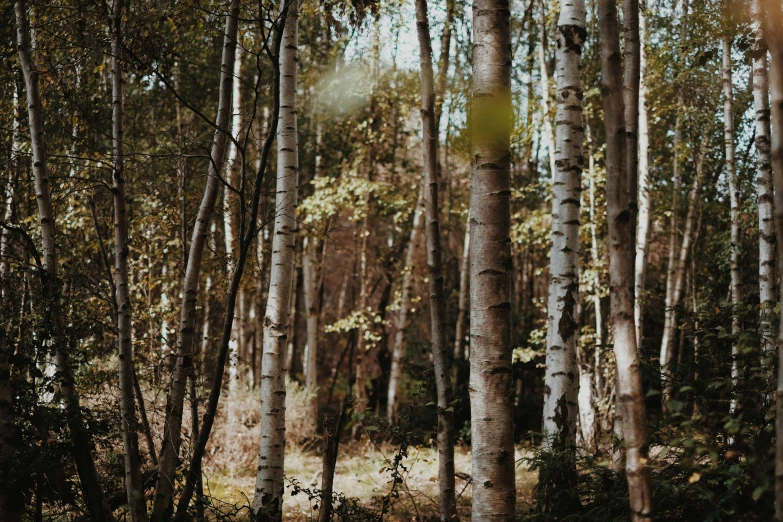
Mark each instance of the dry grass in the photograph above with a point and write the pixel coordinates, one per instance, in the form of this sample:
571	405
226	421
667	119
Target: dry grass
362	472
362	467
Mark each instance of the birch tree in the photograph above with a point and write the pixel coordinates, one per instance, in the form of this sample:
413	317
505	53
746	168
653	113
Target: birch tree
172	431
549	135
643	197
398	346
734	256
268	498
630	396
50	283
767	272
440	354
491	383
561	385
133	482
462	300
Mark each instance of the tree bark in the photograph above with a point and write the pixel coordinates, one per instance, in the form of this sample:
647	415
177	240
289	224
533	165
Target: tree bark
398	348
268	499
462	300
172	430
631	74
230	223
643	197
133	485
734	259
491	384
598	358
561	385
310	277
440	354
549	135
630	396
80	437
775	41
767	272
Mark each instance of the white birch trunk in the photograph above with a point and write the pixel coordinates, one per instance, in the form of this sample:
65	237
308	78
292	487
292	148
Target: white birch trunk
398	348
133	482
549	135
767	272
230	225
561	385
643	218
630	395
491	384
736	280
460	338
268	498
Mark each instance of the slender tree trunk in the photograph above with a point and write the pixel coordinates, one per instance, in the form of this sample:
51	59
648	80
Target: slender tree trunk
631	73
130	440
670	324
80	437
491	383
145	423
549	135
398	348
311	296
268	499
462	300
440	354
561	385
598	356
230	223
775	41
736	275
290	352
172	430
767	272
643	218
630	396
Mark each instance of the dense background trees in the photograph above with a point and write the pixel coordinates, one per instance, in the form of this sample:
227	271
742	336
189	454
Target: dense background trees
539	233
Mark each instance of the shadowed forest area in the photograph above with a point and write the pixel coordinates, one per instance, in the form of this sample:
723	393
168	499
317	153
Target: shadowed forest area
391	260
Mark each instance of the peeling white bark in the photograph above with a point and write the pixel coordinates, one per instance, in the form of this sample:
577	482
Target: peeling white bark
561	385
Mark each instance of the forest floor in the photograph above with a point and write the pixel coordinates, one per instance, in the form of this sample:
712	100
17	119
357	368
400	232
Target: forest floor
362	473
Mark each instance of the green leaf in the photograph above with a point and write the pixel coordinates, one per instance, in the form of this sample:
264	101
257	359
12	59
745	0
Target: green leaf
676	406
758	492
